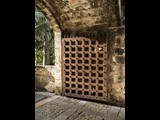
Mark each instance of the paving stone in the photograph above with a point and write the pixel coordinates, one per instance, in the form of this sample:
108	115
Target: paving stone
112	114
66	114
63	108
39	97
97	107
86	116
45	101
74	115
114	110
122	114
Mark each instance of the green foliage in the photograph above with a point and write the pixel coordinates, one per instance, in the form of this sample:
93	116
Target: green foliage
52	57
43	33
39	56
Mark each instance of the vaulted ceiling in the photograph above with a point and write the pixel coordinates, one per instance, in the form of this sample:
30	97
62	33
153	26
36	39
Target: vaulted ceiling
80	15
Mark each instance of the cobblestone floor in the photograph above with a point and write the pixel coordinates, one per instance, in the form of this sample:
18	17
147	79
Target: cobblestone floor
39	97
49	106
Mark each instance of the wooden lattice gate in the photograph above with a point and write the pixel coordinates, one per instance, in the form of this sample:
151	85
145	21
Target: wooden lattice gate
84	67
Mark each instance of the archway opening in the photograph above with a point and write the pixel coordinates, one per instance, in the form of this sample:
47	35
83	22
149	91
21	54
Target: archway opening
44	40
47	51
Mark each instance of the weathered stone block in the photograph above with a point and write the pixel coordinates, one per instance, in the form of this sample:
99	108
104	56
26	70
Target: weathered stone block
73	2
116	49
58	90
118	88
44	79
119	51
120	60
50	87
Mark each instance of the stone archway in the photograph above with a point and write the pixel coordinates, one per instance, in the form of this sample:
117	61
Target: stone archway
57	37
75	16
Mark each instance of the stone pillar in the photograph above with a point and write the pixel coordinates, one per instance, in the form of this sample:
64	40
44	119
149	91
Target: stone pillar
58	79
116	66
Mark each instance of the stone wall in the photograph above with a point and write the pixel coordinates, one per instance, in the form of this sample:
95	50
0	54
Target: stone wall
116	66
49	77
80	15
44	78
93	16
58	57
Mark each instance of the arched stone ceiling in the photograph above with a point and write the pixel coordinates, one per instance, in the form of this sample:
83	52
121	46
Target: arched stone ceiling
80	15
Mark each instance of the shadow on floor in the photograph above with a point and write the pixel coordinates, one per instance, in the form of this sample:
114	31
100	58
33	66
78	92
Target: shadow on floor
39	96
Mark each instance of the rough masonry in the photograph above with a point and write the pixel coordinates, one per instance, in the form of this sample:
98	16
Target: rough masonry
91	16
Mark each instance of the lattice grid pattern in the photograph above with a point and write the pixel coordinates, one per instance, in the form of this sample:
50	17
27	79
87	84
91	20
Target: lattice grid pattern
84	68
